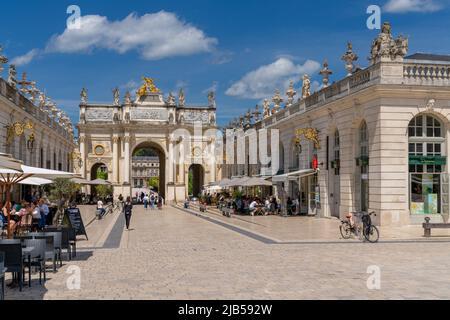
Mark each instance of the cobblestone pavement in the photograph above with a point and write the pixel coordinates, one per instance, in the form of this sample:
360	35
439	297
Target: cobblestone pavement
171	254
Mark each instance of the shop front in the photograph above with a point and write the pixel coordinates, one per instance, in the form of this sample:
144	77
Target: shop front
428	185
428	180
307	193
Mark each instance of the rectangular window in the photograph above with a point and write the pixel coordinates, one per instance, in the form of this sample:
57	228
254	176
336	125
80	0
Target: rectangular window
425	194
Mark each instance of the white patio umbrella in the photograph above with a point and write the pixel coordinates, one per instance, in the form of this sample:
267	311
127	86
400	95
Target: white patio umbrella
239	182
257	182
224	183
8	162
9	177
99	182
80	181
34	181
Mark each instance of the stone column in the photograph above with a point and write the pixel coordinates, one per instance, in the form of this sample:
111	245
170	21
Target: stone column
171	164
83	156
212	161
181	163
115	168
127	160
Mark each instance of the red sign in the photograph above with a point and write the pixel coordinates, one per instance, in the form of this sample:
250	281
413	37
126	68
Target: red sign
315	163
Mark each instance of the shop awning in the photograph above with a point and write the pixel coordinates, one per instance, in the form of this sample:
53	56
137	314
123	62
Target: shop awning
292	176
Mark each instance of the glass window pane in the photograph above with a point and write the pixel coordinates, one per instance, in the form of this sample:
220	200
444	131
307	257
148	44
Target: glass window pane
430	132
430	121
430	148
412	132
412	148
419	149
419	132
436	123
437	132
419	168
412	168
437	148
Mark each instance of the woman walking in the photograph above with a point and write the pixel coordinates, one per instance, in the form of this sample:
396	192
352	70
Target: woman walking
128	210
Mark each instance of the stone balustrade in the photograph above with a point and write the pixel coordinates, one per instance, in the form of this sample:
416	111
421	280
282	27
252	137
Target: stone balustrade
425	73
22	102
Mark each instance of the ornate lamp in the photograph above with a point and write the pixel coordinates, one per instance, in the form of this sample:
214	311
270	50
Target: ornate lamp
30	143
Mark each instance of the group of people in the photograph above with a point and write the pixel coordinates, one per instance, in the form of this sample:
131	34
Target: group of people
152	201
34	215
252	205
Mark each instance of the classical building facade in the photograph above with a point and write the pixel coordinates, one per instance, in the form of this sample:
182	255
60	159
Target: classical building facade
376	140
32	128
182	136
143	169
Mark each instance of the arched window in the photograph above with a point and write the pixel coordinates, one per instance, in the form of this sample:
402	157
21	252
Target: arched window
337	152
364	165
426	140
296	156
363	140
427	159
281	158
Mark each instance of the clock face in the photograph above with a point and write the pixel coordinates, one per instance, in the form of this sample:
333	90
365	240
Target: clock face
99	150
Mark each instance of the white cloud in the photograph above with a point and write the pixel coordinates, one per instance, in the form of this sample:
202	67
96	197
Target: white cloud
262	82
130	86
212	88
26	58
403	6
155	36
221	57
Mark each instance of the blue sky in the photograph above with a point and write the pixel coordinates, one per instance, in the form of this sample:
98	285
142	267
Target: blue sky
242	49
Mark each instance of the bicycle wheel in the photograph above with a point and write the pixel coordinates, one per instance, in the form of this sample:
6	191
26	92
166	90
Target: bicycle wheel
372	234
346	230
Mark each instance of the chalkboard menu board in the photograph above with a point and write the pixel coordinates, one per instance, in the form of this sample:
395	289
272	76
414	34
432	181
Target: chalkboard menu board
76	222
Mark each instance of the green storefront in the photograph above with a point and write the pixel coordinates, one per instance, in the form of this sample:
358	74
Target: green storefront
429	186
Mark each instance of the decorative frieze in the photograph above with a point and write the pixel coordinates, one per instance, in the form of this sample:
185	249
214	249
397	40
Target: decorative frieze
146	114
99	114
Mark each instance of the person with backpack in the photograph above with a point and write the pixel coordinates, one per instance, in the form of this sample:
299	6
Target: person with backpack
152	202
146	200
128	211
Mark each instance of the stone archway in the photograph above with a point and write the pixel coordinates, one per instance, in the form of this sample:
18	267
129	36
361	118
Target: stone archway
148	165
99	167
196	179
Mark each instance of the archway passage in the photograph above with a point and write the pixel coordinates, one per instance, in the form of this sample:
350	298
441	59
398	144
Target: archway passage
148	169
196	180
98	171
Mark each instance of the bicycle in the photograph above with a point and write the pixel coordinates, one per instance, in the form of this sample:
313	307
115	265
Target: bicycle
365	231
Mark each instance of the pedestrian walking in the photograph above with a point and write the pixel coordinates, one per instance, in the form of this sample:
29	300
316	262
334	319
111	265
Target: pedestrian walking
128	211
160	202
146	201
152	202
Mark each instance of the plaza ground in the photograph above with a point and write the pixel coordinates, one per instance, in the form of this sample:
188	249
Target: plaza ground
176	254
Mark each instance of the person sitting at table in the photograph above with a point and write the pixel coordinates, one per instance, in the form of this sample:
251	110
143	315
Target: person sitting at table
252	207
44	211
36	214
3	220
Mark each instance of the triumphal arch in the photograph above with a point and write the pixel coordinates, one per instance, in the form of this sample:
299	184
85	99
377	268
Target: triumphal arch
182	136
